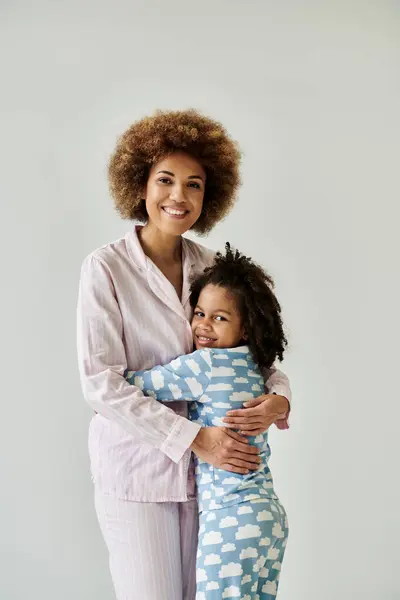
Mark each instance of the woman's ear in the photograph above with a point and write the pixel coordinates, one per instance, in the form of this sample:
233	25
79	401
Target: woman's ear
245	336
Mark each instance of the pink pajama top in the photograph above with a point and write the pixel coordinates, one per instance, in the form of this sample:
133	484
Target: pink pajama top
130	317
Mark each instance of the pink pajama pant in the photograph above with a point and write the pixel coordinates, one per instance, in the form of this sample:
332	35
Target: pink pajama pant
152	547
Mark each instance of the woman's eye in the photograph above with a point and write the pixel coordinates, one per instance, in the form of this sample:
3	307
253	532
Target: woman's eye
194	185
164	180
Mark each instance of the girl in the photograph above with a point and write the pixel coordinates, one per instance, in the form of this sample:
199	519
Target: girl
237	331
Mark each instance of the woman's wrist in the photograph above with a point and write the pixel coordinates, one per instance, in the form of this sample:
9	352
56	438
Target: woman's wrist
281	404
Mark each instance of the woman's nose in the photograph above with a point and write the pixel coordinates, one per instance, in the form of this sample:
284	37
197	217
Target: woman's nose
177	194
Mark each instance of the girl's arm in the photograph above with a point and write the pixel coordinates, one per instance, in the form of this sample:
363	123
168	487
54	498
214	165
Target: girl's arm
185	378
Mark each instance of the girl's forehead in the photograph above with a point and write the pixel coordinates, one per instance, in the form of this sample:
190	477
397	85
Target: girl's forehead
217	296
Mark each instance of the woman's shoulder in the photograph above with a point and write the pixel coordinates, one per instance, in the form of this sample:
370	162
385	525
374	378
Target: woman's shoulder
200	255
107	255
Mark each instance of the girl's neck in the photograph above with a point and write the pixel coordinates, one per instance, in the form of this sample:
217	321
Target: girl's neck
160	247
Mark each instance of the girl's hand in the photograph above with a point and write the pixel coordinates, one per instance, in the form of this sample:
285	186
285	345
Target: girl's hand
226	449
259	414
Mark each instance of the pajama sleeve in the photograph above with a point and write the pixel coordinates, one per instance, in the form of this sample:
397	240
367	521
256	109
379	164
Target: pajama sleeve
185	378
103	362
276	382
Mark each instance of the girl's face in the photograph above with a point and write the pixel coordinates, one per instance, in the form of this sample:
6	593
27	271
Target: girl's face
217	322
174	193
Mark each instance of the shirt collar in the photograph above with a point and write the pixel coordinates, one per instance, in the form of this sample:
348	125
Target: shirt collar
143	262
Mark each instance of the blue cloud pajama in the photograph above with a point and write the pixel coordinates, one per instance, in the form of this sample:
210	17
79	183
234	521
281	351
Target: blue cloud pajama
243	526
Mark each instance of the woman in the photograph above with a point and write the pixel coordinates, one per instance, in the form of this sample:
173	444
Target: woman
174	171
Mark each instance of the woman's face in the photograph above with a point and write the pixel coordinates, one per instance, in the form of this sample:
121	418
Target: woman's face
174	193
217	322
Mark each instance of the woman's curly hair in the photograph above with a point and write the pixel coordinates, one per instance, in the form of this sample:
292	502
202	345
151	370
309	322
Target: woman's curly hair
260	310
152	138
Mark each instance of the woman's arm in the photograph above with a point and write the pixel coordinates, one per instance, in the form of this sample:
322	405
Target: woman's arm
102	364
272	407
276	382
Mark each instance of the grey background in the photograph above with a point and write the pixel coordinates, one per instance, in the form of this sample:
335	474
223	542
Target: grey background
311	91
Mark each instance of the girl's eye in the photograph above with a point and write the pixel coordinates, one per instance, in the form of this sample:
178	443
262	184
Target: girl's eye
219	318
199	314
164	180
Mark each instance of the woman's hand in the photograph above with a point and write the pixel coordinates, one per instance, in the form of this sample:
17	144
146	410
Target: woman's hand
226	449
259	414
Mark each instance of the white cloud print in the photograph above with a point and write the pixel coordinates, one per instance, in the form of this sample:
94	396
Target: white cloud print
269	588
241	380
248	531
157	380
193	366
211	516
219	387
175	364
176	390
231	570
221	356
230	497
231	592
255	387
277	531
204	399
228	522
251	497
251	373
248	553
212	537
246	579
205	354
239	362
194	386
265	515
241	396
244	510
138	381
228	548
212	559
201	575
222	405
231	480
264	572
265	541
212	585
273	554
206	478
223	372
260	562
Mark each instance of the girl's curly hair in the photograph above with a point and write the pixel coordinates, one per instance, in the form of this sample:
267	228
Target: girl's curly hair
152	138
260	310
